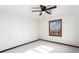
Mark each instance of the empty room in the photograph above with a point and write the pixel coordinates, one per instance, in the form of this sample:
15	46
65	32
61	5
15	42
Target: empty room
39	28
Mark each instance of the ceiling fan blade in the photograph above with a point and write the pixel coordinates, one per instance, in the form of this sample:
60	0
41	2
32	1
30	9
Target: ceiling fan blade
36	10
47	12
42	6
40	14
51	7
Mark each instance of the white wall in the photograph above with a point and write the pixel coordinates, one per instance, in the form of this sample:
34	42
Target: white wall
70	24
16	29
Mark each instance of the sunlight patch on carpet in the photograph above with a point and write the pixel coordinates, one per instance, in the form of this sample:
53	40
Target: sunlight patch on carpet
40	49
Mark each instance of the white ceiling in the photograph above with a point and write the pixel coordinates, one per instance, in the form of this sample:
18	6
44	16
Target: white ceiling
26	9
20	9
66	9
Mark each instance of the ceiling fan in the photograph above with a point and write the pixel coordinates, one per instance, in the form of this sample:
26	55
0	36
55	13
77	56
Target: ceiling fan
44	8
